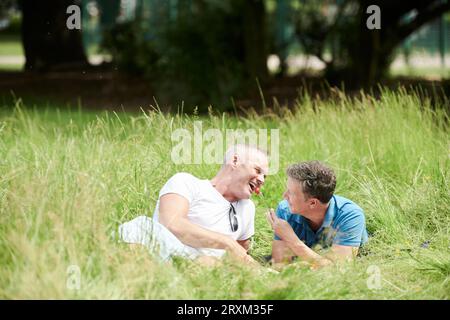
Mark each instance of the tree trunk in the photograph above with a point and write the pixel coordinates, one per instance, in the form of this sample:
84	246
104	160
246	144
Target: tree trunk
47	42
110	10
255	38
368	53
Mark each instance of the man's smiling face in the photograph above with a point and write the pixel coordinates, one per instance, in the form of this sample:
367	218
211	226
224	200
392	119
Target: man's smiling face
249	174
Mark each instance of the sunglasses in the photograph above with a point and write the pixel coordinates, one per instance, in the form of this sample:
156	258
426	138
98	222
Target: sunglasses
233	219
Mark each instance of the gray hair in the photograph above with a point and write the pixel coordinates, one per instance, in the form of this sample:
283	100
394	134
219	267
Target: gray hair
243	151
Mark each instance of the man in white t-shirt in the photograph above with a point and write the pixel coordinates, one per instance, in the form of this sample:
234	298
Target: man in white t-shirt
194	218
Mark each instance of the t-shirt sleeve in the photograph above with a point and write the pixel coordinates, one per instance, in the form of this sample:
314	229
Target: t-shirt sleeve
249	213
351	229
182	184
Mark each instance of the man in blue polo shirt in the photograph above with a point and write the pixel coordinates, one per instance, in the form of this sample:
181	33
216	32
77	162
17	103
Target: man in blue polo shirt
312	216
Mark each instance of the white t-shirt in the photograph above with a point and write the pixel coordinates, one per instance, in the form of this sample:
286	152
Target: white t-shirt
209	209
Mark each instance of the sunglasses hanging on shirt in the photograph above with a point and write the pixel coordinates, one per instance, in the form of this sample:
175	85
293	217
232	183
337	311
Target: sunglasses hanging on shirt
233	219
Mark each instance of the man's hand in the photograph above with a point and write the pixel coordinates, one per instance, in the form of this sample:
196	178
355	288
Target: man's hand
281	227
245	244
238	252
281	252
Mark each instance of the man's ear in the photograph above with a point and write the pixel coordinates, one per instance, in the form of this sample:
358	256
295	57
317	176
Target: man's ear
234	162
313	203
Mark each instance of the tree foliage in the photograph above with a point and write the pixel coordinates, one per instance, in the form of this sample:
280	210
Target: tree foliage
350	51
48	43
207	52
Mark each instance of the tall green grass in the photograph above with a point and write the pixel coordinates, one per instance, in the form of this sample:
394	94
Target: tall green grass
69	178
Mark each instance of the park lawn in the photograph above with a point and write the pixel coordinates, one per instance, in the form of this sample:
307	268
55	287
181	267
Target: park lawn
69	178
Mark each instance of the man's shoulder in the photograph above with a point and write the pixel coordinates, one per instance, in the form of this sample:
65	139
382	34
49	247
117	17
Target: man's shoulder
346	205
184	176
347	211
349	219
182	183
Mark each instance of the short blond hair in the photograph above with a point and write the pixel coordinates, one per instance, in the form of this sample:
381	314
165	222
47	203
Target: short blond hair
244	151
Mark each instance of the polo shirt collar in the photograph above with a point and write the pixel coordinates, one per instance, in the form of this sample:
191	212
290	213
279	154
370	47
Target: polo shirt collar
329	215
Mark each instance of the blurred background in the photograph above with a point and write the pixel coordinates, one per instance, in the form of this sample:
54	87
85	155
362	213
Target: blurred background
189	54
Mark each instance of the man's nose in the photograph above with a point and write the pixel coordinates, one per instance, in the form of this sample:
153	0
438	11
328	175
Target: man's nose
260	179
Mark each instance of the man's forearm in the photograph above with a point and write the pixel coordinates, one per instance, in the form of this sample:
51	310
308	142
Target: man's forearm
280	251
198	237
305	253
245	244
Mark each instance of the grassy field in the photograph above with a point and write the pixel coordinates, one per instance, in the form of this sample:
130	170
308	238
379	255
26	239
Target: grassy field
69	178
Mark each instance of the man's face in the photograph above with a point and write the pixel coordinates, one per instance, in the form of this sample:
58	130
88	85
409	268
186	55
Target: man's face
249	174
298	202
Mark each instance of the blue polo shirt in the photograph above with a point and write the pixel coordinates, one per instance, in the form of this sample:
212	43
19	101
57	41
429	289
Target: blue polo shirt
344	224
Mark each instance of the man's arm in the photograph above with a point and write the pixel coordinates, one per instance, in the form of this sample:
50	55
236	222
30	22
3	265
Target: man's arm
281	252
245	244
290	241
341	253
302	251
173	211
